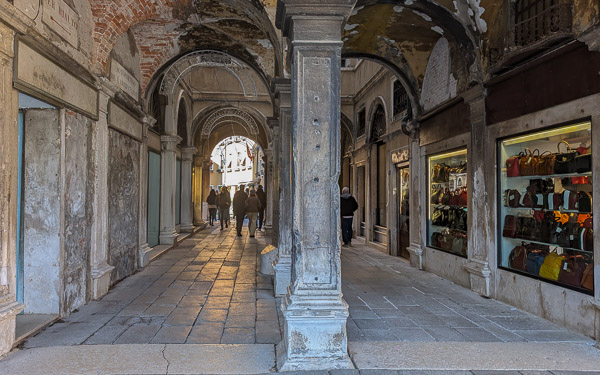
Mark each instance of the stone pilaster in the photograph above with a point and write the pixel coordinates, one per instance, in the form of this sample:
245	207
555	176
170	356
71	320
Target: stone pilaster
480	221
187	156
9	167
314	312
283	263
144	258
100	269
198	195
415	249
273	200
168	181
269	186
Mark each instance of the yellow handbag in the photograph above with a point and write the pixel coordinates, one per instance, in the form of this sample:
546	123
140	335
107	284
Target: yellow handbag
551	266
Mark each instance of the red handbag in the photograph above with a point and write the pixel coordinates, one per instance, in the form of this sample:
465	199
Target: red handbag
510	226
463	198
512	165
518	258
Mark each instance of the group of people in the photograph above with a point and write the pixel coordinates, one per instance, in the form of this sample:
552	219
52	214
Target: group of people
246	203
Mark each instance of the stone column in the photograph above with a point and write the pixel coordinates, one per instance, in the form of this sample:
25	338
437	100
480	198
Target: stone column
273	199
144	259
187	155
480	220
100	269
269	186
415	249
168	181
283	263
314	312
198	190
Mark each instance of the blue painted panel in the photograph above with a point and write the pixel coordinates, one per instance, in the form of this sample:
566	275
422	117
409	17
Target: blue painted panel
20	256
178	193
153	198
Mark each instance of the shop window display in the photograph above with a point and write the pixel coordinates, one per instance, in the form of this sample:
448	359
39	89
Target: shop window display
448	193
546	206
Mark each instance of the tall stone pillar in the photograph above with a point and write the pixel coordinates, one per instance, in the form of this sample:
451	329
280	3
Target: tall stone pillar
100	269
168	181
480	222
198	194
273	199
187	155
314	312
283	263
415	249
269	187
144	258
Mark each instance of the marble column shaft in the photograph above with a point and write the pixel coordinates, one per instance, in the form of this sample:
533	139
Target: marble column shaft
315	313
168	180
187	157
143	215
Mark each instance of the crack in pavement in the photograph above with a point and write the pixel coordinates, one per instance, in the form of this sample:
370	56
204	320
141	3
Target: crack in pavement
165	357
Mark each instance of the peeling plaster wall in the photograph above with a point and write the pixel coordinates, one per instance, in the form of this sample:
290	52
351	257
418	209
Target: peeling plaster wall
78	211
41	211
123	204
439	84
127	54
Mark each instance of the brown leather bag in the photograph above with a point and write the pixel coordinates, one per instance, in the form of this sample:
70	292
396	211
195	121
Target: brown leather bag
545	164
529	162
587	281
518	258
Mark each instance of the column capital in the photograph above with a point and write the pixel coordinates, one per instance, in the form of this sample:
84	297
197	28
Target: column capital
149	121
314	11
187	153
169	142
282	87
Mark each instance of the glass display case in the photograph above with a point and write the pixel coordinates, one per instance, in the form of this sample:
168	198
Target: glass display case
545	206
448	202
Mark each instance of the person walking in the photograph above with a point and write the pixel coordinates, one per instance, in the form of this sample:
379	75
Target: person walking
239	209
347	207
253	207
262	196
212	206
224	203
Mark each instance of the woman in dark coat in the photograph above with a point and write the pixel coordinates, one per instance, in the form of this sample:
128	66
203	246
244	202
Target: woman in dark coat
212	206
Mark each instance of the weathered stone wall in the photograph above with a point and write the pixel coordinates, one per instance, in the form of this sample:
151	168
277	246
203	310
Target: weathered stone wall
41	211
77	211
123	204
439	84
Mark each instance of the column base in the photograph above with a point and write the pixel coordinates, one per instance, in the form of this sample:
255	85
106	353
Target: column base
144	254
9	308
283	274
480	276
416	255
314	334
101	279
167	238
186	228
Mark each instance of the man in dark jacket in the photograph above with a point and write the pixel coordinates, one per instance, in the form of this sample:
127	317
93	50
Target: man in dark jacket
347	207
262	196
239	209
224	203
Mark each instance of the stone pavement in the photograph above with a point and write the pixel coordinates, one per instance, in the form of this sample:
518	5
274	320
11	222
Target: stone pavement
391	301
204	291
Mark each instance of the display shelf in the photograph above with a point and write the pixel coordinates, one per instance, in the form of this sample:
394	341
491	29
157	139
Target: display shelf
448	205
447	227
548	244
532	177
547	210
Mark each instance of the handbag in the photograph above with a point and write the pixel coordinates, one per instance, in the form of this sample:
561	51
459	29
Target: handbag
518	258
510	226
512	198
583	161
587	239
570	272
440	173
463	197
584	201
565	162
551	266
534	261
528	162
587	280
545	164
512	165
570	200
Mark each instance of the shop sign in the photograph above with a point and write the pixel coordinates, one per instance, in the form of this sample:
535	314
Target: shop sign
63	20
37	74
122	121
400	156
124	80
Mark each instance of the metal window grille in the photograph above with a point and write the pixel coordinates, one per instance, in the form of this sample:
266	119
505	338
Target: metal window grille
400	98
378	128
362	122
536	19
